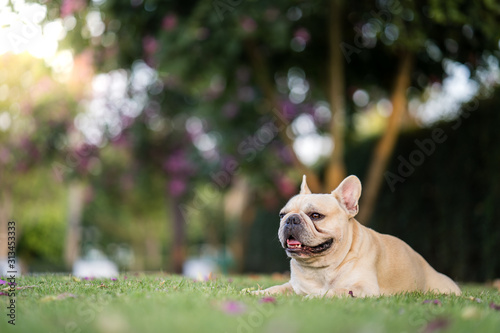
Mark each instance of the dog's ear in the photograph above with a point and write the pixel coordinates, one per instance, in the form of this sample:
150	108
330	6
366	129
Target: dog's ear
348	193
304	189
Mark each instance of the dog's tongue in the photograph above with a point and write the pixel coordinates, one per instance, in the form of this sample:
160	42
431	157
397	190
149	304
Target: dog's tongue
293	242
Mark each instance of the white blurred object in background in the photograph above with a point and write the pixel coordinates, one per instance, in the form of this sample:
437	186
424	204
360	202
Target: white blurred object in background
199	268
95	265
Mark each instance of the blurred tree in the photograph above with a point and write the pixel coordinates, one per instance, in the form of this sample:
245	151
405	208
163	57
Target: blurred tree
421	34
233	76
31	126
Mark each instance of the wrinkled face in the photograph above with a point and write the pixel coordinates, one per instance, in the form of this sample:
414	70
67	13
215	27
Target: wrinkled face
311	224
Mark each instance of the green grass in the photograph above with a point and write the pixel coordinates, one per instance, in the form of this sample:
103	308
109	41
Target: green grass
166	303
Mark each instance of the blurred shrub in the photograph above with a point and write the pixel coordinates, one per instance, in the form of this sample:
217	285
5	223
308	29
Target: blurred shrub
41	242
40	215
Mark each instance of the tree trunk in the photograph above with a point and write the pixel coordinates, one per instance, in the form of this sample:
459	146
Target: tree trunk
5	216
179	236
76	202
387	142
335	171
239	209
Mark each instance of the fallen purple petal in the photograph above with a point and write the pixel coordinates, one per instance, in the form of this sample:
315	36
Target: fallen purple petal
495	306
65	295
436	324
434	301
268	299
114	279
125	277
4	294
2	281
351	293
233	307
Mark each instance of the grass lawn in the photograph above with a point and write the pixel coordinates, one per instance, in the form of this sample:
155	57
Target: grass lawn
167	303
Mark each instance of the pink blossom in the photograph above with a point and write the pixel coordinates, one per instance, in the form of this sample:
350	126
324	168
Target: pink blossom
176	162
5	156
303	34
248	24
68	7
149	45
169	22
286	187
177	187
286	154
288	109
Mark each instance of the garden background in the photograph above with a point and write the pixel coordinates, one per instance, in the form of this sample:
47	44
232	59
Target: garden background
155	133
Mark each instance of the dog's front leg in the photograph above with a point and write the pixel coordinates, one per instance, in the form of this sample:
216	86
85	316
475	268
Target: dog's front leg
280	289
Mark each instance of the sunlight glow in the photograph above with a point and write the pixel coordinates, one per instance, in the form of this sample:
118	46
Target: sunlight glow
309	145
21	29
117	98
444	100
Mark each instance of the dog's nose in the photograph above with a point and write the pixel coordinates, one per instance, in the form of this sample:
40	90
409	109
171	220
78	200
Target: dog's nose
293	219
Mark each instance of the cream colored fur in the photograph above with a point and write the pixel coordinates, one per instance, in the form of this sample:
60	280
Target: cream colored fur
360	260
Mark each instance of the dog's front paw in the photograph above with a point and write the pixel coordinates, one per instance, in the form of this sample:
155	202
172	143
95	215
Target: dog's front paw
248	291
259	292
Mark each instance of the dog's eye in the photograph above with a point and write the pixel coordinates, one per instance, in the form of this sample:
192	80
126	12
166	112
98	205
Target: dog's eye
316	216
282	215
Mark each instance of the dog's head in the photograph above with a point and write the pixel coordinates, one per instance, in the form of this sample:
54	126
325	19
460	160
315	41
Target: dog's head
312	225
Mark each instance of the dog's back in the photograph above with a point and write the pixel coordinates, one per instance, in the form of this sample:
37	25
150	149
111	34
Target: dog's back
402	269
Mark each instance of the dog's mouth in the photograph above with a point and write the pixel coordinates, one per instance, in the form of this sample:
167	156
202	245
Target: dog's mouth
294	246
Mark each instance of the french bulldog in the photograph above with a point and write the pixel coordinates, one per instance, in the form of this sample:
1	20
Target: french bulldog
332	254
